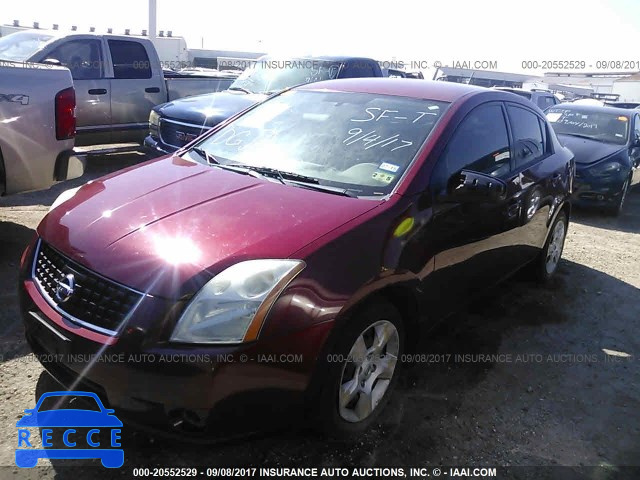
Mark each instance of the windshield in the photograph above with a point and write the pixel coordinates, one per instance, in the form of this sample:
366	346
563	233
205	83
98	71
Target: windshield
271	75
359	142
598	125
20	46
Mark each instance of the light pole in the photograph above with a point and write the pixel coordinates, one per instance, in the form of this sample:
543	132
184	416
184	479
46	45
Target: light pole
152	20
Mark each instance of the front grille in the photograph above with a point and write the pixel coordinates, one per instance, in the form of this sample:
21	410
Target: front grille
96	302
178	134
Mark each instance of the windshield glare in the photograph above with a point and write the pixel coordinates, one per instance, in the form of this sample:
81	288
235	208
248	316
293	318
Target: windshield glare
603	126
356	141
20	46
272	75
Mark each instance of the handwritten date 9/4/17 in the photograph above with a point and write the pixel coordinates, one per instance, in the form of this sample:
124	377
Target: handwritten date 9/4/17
386	120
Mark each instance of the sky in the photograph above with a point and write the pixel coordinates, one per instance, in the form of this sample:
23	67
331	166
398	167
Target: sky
507	32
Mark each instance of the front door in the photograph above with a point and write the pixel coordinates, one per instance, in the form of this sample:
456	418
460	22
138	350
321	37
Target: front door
472	240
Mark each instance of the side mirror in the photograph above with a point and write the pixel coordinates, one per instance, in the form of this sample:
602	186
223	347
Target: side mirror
636	141
52	61
468	186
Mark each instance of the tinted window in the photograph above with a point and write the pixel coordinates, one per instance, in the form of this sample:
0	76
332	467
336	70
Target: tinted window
357	69
546	101
528	144
129	59
480	143
82	57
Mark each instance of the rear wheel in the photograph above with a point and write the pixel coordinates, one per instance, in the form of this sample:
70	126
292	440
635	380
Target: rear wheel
546	265
362	370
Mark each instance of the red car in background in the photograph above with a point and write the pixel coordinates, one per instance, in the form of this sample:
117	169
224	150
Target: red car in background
297	249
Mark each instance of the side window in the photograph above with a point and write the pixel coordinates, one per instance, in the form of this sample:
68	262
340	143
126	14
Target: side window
546	101
637	126
82	57
130	59
357	69
480	143
528	143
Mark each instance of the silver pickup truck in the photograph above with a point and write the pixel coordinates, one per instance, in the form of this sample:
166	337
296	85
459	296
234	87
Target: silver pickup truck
117	79
37	127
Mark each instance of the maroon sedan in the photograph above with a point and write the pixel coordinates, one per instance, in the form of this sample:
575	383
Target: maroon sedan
296	251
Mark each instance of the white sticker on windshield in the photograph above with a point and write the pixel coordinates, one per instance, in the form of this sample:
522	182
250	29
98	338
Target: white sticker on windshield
553	116
389	167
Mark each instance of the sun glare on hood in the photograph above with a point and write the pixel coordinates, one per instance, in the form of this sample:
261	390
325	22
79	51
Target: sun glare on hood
177	250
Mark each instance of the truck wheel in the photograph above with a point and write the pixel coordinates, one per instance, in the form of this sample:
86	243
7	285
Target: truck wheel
362	371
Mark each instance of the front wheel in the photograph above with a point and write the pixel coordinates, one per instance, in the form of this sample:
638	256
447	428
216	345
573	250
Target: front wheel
362	370
617	209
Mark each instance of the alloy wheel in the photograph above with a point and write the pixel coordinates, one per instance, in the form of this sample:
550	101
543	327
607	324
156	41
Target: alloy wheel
554	250
368	371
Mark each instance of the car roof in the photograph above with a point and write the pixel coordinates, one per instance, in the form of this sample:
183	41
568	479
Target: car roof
404	87
595	108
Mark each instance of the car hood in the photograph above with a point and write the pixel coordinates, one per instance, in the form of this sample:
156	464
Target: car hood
210	109
588	151
168	226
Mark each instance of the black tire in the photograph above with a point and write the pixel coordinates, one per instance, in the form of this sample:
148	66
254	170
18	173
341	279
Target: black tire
616	210
540	268
327	411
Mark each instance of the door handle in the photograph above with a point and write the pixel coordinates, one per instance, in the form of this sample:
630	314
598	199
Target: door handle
152	89
98	91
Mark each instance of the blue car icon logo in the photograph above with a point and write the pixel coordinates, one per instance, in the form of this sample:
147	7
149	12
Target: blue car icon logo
67	422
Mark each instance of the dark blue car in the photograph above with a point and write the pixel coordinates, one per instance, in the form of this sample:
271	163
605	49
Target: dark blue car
69	418
606	145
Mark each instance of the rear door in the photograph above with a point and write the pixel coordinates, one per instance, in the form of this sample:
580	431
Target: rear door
539	176
84	57
136	87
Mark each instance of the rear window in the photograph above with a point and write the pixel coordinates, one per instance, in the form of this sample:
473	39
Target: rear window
130	59
20	46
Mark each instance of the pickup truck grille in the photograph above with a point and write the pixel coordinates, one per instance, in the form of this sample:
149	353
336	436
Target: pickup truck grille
179	134
96	302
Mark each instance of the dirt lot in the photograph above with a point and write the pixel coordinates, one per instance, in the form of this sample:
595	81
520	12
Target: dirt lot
552	397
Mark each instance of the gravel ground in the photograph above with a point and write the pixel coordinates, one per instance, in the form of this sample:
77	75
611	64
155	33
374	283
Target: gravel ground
535	387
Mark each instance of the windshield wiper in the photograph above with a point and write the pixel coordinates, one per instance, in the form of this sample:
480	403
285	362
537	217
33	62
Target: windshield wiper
323	188
211	160
579	135
295	179
275	173
240	89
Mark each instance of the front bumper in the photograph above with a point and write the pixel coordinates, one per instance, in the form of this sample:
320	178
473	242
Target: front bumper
155	147
179	389
590	191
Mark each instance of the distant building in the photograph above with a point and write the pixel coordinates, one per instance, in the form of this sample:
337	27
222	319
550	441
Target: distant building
482	78
599	82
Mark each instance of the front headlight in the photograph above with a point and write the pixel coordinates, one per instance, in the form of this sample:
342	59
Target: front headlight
154	119
606	169
63	197
232	306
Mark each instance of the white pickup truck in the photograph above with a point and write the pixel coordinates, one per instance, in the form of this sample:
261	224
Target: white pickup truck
117	79
37	127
